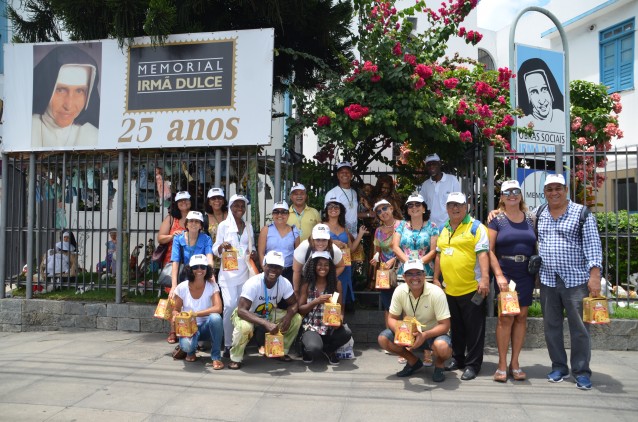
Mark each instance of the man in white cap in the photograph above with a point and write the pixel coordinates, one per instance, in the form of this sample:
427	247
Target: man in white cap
436	189
425	302
257	311
462	258
347	196
570	271
301	215
65	99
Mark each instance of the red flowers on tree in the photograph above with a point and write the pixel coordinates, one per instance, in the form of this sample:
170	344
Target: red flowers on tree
356	111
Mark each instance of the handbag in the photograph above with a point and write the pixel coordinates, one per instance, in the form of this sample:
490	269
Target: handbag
159	253
166	275
534	264
252	268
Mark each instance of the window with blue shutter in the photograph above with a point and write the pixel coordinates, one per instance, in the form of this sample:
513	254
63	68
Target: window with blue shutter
617	56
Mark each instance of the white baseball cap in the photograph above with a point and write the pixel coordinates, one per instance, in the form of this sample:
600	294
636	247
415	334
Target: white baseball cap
195	215
198	259
432	157
457	197
237	197
510	184
380	203
281	205
344	164
297	186
274	258
321	254
182	195
215	192
415	198
329	200
321	231
413	264
554	178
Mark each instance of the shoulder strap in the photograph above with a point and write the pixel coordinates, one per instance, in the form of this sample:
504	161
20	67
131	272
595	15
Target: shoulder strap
584	214
539	211
475	226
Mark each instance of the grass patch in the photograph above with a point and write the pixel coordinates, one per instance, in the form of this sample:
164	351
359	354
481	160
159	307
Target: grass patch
616	312
101	295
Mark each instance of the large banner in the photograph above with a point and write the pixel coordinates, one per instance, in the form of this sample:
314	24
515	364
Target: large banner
540	90
209	89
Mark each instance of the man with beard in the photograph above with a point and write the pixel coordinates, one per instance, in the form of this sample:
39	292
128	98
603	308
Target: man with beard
436	189
257	311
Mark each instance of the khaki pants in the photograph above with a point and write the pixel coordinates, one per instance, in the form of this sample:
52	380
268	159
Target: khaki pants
243	332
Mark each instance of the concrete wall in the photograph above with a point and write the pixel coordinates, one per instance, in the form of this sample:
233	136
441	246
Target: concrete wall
18	315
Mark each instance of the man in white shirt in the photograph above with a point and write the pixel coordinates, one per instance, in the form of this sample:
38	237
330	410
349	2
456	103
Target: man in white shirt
436	189
346	195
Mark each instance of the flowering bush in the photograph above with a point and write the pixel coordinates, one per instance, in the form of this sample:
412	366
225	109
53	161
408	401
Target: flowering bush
594	124
404	92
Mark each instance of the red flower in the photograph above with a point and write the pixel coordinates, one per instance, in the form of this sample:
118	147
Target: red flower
397	49
424	71
409	58
369	67
451	83
356	111
323	121
466	136
444	119
508	120
375	78
419	83
461	31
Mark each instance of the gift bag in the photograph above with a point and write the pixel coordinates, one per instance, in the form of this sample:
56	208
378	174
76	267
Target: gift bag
229	260
508	303
404	335
382	279
359	254
185	324
332	314
164	309
274	345
346	352
345	252
596	310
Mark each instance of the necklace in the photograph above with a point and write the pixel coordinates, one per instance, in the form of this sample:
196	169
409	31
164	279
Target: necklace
351	199
391	226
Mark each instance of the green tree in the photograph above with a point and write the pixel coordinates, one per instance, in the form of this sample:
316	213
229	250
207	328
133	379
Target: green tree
304	29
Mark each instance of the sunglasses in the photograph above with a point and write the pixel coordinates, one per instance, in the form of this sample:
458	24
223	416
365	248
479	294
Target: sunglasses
412	274
382	209
454	205
333	207
511	192
275	212
199	267
413	204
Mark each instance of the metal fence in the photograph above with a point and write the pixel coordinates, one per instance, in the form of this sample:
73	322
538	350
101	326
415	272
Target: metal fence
128	193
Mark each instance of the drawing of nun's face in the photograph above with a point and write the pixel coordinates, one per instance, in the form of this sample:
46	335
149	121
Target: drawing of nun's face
539	95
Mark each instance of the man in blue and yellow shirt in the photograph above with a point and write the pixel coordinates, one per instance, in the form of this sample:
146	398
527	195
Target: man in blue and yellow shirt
462	259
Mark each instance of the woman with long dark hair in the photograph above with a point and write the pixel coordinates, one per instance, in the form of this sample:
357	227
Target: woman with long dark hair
319	284
216	209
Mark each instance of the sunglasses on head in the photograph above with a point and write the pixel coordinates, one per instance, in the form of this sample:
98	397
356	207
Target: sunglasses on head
199	267
275	212
382	209
511	192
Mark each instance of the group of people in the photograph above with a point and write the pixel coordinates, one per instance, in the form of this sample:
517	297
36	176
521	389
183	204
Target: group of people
442	257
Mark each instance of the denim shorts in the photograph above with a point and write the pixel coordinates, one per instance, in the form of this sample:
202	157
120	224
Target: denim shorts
427	344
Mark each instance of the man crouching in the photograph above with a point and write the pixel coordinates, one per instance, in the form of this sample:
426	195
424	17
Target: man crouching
428	305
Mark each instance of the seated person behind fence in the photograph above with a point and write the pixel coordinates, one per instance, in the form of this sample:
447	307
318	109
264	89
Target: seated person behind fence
256	310
61	261
204	300
108	264
319	283
427	303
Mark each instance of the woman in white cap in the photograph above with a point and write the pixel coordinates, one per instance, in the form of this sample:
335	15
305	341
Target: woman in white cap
415	239
203	299
174	223
319	240
383	236
512	241
190	242
234	234
319	284
279	236
216	210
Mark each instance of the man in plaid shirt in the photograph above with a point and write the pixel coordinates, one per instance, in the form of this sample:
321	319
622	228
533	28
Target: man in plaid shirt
570	271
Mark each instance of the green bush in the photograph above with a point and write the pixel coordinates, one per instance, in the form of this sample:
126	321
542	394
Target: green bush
619	236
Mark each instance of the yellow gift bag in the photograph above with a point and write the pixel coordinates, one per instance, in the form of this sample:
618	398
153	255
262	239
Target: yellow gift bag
332	312
382	279
164	309
596	310
404	335
274	345
345	252
359	254
185	324
229	260
508	301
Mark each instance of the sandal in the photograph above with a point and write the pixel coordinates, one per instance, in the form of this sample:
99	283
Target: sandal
518	374
261	351
285	358
216	364
172	338
234	365
191	358
178	353
427	358
500	376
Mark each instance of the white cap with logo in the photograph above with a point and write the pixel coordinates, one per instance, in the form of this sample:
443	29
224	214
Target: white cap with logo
297	186
380	203
195	215
281	205
321	254
510	184
274	258
432	157
415	197
212	192
554	178
413	264
182	195
344	164
198	259
457	197
321	231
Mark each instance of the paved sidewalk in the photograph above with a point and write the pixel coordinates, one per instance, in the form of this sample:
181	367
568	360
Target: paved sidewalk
120	376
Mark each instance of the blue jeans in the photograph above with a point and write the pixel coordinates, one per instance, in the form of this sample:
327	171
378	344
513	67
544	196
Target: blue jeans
553	301
427	344
212	329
